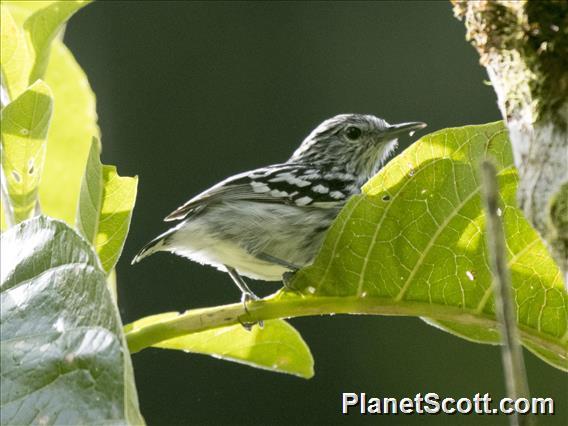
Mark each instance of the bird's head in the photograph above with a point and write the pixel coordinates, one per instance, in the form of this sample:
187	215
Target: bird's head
356	143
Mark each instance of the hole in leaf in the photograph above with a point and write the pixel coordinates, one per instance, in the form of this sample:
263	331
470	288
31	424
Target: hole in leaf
386	197
16	176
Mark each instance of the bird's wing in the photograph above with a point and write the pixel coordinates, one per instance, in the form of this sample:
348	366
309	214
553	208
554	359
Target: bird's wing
293	184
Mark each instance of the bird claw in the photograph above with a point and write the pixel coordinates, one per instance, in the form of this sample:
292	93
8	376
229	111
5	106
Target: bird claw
248	297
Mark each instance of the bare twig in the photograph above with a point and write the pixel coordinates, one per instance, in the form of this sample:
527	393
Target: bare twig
513	363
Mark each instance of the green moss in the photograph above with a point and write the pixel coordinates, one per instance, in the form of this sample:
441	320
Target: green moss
527	38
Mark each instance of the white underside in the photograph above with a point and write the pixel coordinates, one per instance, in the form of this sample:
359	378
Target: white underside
220	253
218	237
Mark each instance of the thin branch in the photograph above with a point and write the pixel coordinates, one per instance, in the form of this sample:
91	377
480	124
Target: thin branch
512	352
145	333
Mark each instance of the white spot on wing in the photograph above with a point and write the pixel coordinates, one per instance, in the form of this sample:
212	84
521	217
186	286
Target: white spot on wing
303	201
277	193
320	189
259	187
337	195
290	179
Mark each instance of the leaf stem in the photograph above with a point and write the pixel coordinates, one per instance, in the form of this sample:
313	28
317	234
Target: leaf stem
142	334
512	353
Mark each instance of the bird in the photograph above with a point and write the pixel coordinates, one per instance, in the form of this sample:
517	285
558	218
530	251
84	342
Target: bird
271	221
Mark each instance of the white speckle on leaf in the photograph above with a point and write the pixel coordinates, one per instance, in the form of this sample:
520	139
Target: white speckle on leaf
311	289
470	275
499	212
24	131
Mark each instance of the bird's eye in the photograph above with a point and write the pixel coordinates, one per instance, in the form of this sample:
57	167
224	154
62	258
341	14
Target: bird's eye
353	133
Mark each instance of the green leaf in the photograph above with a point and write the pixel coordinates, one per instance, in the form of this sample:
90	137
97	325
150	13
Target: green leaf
63	357
73	126
91	195
25	122
276	347
22	9
15	57
105	207
119	196
42	27
416	235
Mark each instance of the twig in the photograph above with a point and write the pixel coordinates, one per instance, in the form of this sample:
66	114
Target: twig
147	332
512	353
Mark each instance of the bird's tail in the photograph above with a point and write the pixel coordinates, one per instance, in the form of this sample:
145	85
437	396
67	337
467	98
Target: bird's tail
157	244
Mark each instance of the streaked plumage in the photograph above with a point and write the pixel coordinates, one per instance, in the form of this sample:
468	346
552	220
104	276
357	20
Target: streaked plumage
265	222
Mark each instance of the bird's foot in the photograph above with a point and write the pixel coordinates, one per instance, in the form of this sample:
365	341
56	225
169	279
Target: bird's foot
246	298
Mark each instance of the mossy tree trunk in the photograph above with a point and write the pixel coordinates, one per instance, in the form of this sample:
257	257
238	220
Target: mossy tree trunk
524	47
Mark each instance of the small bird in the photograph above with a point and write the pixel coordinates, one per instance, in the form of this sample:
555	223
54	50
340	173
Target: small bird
270	221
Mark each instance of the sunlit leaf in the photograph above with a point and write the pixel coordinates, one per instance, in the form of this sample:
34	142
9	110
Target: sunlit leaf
416	236
74	121
276	347
25	122
22	9
15	55
73	126
119	196
63	359
91	195
42	27
105	207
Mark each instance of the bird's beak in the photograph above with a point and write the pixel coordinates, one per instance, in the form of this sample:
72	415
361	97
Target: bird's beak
394	130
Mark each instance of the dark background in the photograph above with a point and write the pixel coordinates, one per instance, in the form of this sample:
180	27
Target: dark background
189	93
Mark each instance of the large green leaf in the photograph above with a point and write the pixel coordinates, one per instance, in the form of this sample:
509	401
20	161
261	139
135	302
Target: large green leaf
416	235
105	207
63	359
25	122
276	347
